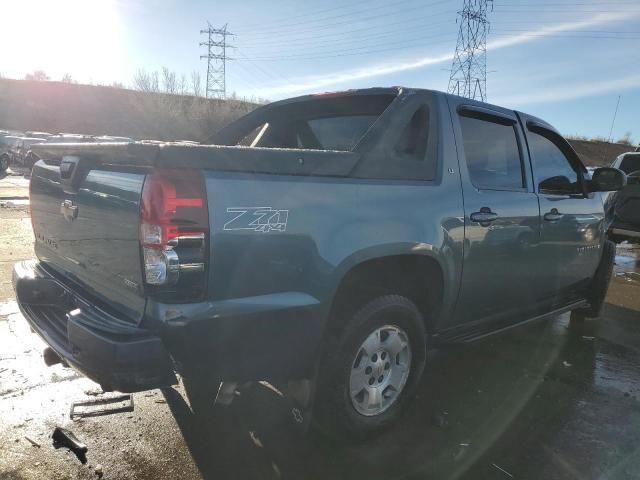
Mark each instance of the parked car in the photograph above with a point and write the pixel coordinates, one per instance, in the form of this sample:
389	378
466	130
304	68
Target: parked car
623	207
111	139
70	138
357	231
6	144
10	147
34	134
23	154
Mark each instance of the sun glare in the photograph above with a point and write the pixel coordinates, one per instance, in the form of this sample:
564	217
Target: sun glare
83	38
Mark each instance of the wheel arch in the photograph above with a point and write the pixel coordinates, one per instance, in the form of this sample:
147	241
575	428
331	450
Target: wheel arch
417	272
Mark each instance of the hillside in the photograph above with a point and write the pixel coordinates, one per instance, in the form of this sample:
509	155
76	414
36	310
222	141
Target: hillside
595	153
66	107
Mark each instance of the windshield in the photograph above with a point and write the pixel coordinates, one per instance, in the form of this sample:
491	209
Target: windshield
630	163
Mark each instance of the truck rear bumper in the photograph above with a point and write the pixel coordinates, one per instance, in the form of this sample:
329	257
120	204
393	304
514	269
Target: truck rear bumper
110	351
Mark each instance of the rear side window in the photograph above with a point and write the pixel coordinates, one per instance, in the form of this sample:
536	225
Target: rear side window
554	172
630	164
338	133
492	153
412	144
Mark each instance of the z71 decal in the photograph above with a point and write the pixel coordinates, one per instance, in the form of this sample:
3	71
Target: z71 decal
258	219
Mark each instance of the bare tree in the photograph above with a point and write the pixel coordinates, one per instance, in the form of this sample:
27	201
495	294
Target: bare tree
38	75
66	78
182	85
196	84
169	83
117	85
155	81
142	81
626	139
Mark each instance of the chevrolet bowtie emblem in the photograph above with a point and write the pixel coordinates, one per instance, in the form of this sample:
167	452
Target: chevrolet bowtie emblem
69	210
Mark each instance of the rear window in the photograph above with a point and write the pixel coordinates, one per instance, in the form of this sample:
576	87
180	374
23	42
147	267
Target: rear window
322	123
630	164
339	133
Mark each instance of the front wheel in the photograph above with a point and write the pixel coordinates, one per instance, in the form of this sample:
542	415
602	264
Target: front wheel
371	370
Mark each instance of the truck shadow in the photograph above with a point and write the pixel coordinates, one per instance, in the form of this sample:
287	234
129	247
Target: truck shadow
471	398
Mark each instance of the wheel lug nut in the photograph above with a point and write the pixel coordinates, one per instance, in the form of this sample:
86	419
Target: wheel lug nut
380	378
372	381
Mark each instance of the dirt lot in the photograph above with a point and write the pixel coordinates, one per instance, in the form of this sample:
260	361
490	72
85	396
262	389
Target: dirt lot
546	401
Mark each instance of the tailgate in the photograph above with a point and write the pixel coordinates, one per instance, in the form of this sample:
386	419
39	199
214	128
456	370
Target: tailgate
87	231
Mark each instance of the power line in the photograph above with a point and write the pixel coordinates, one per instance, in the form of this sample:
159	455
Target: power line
469	70
561	35
407	41
376	51
304	27
216	56
330	41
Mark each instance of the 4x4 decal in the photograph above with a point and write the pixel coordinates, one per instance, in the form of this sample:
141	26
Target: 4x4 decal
258	219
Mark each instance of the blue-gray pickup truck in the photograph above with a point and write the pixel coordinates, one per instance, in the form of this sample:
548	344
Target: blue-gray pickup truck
330	240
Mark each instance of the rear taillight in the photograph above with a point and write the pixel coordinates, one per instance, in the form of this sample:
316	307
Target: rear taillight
174	226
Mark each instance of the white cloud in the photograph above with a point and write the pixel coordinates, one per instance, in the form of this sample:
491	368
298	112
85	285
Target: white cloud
571	91
317	82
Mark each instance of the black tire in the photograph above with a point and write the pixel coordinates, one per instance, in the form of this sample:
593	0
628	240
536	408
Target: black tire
4	163
599	285
334	411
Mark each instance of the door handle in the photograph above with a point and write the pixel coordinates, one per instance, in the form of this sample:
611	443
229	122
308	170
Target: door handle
553	215
485	215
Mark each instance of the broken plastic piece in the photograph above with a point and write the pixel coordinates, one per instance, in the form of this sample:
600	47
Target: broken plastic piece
63	438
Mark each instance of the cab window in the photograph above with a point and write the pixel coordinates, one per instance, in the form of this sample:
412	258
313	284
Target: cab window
554	172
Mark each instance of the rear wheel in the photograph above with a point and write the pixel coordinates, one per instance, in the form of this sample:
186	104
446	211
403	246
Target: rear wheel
371	370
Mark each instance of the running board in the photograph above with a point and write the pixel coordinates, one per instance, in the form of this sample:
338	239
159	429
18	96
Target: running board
469	337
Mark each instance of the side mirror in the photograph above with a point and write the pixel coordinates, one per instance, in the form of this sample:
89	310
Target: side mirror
607	179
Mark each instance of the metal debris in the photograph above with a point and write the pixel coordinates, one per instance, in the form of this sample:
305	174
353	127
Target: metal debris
566	364
63	438
502	470
32	442
75	406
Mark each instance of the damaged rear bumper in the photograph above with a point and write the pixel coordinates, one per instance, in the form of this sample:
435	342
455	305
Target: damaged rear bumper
109	350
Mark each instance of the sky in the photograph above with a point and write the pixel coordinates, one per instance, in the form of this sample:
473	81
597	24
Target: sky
567	61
